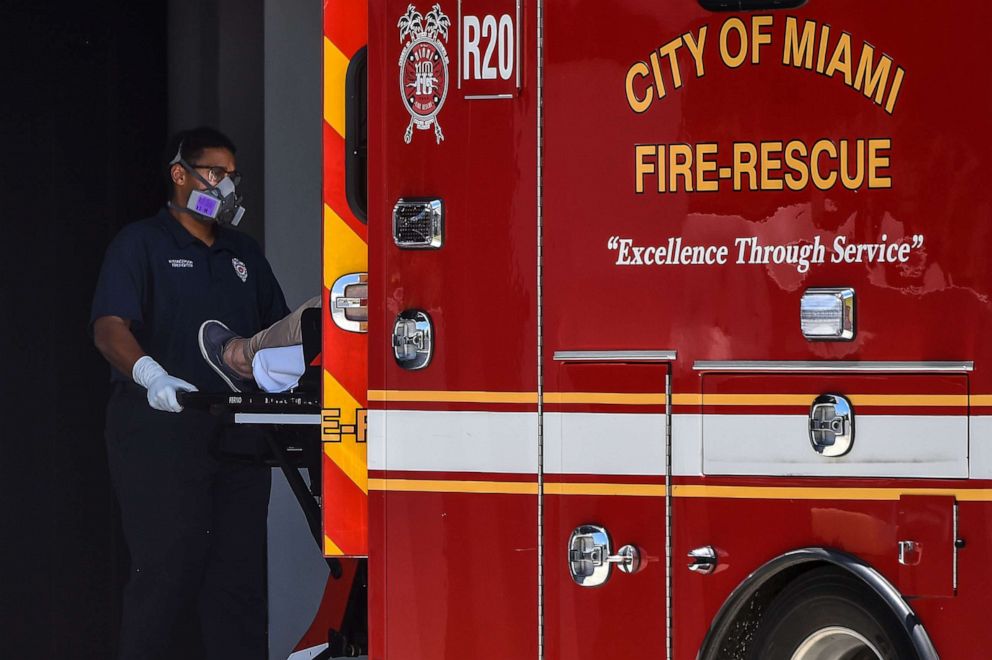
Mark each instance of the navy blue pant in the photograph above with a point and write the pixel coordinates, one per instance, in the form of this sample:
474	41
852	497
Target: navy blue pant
195	528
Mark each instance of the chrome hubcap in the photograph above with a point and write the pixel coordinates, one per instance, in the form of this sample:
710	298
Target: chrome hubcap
836	643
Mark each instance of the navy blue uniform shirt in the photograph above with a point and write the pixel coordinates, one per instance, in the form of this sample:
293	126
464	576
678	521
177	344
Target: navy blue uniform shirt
167	283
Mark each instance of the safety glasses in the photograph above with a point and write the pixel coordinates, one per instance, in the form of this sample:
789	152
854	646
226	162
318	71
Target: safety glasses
215	173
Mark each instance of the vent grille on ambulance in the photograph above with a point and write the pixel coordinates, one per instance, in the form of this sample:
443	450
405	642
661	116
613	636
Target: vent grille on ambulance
418	223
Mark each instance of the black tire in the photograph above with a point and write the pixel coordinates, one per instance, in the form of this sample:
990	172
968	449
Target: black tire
824	600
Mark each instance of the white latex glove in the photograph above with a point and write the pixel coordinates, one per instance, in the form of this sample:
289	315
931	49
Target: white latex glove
161	386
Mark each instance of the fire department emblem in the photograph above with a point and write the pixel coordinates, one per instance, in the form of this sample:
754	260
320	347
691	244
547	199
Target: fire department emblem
240	269
423	68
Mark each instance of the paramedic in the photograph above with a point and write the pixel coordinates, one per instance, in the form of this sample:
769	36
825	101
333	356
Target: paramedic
195	527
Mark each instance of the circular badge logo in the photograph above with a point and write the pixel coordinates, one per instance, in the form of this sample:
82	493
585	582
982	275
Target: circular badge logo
423	68
424	78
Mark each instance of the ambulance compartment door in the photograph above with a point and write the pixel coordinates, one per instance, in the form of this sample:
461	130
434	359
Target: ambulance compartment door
605	521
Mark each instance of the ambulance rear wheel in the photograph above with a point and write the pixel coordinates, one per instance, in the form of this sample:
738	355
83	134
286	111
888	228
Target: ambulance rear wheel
828	614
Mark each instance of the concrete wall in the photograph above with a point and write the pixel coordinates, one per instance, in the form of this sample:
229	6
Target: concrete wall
216	51
253	69
292	75
293	116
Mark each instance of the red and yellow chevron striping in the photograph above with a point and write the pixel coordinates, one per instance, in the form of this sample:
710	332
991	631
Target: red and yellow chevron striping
344	354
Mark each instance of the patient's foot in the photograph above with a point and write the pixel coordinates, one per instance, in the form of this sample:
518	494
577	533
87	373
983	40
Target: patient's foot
217	342
236	358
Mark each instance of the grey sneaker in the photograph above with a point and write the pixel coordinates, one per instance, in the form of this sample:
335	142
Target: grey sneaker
213	336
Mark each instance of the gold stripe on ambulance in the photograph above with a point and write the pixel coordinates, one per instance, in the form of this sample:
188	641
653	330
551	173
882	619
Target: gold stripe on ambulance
451	396
688	491
462	486
658	399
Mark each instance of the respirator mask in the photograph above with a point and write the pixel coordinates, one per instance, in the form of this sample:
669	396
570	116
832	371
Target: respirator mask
219	201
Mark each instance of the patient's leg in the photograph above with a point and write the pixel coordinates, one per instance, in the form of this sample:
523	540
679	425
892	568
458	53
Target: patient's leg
239	353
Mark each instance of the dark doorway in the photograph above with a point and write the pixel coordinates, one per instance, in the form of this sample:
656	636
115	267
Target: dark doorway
83	119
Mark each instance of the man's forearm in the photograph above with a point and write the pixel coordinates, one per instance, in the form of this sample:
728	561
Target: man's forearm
113	338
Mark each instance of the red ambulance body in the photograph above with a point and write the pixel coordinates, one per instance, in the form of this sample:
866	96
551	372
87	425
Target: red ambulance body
676	320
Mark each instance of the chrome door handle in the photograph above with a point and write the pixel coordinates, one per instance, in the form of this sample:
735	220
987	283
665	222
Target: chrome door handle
831	425
413	339
703	560
349	305
627	559
910	553
590	560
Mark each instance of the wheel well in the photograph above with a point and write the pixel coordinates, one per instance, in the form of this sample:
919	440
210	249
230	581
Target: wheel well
738	630
733	629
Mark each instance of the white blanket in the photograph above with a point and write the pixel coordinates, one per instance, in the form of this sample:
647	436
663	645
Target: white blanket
278	369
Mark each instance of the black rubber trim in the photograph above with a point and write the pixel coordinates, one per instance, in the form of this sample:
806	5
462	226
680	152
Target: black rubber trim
750	5
738	599
356	135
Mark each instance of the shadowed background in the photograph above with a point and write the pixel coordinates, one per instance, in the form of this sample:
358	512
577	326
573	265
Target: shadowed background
90	92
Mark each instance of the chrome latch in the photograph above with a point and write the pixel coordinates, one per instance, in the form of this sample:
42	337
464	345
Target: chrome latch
910	553
589	558
831	425
703	560
413	339
349	302
418	223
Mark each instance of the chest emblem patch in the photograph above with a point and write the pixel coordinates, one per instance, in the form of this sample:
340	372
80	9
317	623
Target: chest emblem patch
423	68
240	269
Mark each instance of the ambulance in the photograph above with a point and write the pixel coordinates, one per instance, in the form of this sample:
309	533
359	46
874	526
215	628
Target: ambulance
656	329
